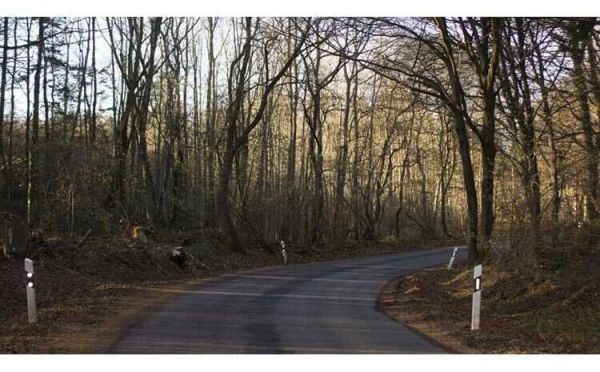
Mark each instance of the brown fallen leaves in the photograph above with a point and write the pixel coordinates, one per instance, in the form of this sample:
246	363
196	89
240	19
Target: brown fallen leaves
555	312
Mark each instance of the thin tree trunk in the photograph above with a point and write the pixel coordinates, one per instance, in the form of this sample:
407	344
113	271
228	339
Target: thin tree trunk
35	190
3	93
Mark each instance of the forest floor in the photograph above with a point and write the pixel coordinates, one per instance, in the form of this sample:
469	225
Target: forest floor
550	309
87	292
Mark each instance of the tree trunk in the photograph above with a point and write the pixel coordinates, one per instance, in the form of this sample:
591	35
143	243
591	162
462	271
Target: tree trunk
34	191
2	95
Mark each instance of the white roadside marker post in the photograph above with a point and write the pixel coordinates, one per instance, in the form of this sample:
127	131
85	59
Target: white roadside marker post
283	252
477	278
31	308
452	258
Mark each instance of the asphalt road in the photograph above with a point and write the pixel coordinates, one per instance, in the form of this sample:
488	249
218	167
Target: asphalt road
327	307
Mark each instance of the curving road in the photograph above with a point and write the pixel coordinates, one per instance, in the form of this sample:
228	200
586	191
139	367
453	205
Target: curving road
326	307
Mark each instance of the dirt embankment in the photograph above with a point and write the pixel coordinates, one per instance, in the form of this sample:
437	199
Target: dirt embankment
555	309
86	293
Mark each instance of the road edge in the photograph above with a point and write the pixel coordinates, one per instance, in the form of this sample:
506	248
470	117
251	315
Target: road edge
386	297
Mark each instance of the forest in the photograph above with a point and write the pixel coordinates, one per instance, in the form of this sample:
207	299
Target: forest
308	130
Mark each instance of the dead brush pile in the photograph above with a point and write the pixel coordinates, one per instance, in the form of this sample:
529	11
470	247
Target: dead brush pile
65	268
